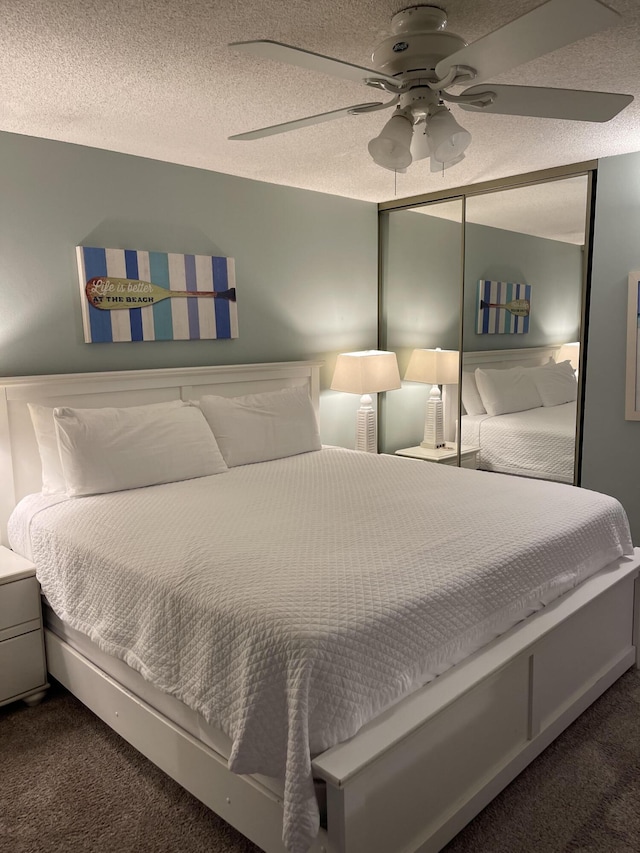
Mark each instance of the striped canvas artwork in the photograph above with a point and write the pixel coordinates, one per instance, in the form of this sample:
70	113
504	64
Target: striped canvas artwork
130	295
503	307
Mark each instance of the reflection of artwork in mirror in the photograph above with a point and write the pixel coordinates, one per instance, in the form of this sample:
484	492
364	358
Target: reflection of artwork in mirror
632	396
503	308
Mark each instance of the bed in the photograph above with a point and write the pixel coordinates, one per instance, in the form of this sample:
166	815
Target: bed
525	424
538	442
445	713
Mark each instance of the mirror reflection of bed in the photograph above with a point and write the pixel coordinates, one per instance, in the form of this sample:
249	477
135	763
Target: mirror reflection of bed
533	236
519	409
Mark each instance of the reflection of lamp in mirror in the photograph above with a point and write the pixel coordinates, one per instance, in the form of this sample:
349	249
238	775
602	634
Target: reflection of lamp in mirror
366	373
570	352
434	367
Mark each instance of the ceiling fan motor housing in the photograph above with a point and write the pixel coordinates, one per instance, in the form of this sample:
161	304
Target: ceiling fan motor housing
418	42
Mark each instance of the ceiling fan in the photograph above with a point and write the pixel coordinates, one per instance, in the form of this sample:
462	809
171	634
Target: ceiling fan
421	61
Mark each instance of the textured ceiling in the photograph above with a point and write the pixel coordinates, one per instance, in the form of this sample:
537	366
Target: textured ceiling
156	78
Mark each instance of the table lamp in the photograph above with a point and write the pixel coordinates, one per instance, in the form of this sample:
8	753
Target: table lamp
366	373
434	367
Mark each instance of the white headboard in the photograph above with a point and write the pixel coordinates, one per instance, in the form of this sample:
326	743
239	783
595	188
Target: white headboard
20	469
496	359
503	358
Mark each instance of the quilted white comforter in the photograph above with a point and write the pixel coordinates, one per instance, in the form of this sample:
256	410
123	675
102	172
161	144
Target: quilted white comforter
534	443
290	601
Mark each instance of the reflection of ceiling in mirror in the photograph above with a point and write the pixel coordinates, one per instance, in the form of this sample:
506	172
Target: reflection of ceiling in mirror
554	210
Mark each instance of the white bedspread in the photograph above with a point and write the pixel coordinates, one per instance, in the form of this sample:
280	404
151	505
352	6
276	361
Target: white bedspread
290	601
534	443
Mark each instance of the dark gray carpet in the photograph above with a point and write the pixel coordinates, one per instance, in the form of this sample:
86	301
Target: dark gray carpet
69	785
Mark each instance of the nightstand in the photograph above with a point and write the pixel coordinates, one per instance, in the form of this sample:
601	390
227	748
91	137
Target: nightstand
23	671
444	455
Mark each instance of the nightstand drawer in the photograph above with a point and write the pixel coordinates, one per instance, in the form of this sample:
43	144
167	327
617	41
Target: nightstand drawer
19	602
21	665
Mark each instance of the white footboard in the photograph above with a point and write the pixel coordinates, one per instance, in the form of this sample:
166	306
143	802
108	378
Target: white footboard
411	779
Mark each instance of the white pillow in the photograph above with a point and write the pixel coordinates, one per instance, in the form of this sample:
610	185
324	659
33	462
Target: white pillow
510	390
109	449
45	430
44	426
556	383
470	397
260	427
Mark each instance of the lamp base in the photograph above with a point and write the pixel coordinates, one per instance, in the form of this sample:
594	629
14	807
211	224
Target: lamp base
366	426
434	421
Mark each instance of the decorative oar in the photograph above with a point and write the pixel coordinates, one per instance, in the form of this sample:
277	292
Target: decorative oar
519	307
109	294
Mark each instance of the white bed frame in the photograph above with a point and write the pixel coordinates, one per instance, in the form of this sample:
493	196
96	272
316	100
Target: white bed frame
412	778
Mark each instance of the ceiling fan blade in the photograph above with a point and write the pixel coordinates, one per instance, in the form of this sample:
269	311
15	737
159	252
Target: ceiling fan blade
571	104
311	61
305	122
548	27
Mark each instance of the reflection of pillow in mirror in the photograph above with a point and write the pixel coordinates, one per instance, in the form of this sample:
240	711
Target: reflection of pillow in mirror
556	383
470	397
504	391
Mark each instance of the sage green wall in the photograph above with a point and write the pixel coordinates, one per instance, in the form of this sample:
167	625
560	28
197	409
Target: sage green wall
306	263
611	445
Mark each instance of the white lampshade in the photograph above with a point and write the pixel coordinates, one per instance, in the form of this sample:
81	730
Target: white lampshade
434	366
570	352
392	149
366	372
448	140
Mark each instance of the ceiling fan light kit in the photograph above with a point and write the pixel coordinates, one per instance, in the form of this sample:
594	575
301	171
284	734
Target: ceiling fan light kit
392	148
437	166
447	139
420	61
420	146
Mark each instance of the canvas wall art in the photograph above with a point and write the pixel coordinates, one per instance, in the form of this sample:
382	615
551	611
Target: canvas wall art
503	307
134	295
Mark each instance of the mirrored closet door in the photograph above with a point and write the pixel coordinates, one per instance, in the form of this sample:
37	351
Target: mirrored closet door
495	275
421	257
523	296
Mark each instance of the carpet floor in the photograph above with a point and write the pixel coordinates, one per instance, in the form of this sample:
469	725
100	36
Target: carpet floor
70	785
